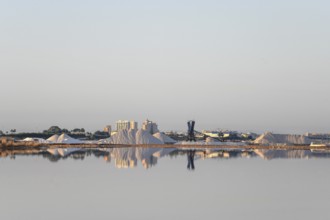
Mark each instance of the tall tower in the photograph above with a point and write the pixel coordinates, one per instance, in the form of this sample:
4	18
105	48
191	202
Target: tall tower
191	131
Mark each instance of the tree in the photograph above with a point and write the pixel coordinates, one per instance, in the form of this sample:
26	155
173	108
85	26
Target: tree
54	130
78	130
65	131
100	135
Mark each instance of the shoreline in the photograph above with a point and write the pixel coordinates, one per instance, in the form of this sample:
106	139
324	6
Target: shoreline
33	145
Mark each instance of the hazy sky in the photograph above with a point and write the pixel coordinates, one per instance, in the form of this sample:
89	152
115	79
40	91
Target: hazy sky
243	65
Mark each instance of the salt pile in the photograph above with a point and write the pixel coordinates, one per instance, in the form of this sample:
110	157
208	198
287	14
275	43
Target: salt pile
122	137
132	137
282	139
39	140
144	137
63	138
53	138
164	138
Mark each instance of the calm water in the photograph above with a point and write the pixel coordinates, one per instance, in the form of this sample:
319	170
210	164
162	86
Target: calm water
140	183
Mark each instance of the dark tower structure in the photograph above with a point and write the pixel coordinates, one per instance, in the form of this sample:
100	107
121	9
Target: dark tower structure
191	131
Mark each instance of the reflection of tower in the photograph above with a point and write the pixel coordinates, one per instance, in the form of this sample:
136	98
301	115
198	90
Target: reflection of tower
190	157
191	131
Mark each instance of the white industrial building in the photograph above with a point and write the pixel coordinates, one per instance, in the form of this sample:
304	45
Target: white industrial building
150	126
126	125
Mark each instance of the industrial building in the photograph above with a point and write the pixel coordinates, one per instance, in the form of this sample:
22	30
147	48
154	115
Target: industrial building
150	126
126	125
107	129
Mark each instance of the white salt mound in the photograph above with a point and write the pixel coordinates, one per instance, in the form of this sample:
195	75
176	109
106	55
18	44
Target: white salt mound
131	137
39	140
164	138
63	138
122	137
283	139
144	137
53	138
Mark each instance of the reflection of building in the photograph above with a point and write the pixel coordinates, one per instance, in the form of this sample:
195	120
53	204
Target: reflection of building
125	163
107	158
126	125
150	126
149	162
129	157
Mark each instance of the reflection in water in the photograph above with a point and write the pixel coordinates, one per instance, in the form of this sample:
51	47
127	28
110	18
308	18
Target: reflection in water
191	157
125	157
129	157
63	152
297	154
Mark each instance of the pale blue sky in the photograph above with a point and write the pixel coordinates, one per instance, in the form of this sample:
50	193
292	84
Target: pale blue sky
242	65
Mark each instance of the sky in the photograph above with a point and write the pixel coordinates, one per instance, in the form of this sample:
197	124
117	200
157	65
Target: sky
229	64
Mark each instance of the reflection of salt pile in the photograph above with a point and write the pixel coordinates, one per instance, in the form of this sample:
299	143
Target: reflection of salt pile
134	137
292	154
285	139
164	138
63	138
161	152
211	143
128	157
124	157
62	151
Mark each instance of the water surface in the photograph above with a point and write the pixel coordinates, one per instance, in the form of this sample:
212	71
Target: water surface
155	183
